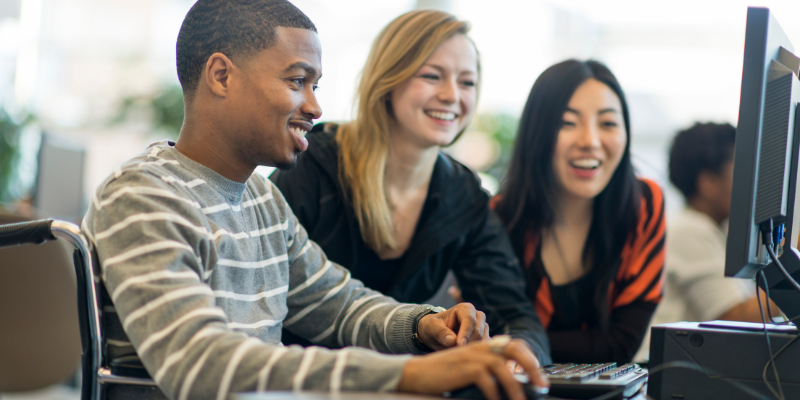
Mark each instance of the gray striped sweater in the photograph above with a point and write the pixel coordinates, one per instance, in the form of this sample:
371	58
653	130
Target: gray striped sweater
204	272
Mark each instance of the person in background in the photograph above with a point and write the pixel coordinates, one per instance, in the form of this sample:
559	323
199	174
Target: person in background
204	262
379	196
701	167
590	233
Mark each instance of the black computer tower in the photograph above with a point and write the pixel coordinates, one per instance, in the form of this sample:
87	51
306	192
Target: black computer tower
729	357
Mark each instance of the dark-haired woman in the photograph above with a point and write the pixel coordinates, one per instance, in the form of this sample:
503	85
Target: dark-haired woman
589	233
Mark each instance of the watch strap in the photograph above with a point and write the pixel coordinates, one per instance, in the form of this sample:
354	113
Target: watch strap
415	336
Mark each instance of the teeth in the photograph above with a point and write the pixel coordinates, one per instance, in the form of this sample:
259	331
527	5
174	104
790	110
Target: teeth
587	163
298	131
444	116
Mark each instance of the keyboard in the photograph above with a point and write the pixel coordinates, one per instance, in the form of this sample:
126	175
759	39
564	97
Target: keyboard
585	381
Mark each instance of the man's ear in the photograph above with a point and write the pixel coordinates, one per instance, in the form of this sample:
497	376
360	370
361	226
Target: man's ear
218	74
708	184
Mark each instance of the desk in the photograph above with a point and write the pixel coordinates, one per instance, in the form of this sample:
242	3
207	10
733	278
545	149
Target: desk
347	396
329	396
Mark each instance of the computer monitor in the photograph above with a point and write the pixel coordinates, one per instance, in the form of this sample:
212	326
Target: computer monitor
766	161
731	360
58	191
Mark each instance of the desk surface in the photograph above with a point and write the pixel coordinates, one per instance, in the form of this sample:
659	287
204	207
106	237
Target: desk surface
347	396
329	396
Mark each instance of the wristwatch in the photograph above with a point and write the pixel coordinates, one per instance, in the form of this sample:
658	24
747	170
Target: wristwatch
415	336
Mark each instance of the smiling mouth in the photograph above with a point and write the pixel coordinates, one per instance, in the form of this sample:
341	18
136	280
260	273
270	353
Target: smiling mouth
441	115
300	132
585	163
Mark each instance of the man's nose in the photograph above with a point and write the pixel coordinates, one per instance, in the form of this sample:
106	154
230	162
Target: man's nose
311	105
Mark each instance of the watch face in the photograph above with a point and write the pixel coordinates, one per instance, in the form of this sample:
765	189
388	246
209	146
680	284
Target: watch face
438	309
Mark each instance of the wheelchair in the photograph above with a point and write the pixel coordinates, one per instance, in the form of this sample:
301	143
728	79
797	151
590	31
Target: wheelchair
99	376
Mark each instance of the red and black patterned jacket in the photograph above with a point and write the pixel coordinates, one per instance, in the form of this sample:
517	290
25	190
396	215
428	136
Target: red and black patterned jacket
633	295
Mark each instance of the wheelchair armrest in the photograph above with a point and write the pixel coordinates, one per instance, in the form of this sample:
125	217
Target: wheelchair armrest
130	366
33	232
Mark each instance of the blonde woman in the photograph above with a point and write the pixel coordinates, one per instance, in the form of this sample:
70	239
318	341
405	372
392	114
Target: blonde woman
379	196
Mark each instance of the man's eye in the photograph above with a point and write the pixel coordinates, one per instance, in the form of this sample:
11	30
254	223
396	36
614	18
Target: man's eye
315	87
299	81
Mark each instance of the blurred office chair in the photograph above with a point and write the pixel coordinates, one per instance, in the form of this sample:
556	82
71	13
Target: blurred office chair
45	345
39	335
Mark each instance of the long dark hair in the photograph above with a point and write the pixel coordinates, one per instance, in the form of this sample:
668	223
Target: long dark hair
529	192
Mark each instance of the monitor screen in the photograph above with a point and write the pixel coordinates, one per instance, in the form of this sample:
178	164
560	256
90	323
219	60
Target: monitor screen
59	180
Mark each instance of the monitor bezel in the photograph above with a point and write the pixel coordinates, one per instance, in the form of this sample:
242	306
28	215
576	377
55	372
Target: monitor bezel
763	39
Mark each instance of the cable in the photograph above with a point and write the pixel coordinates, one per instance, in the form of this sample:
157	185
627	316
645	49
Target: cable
766	291
781	268
766	239
769	345
779	352
695	367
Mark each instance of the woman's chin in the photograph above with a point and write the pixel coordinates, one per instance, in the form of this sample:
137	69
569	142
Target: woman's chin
587	192
443	140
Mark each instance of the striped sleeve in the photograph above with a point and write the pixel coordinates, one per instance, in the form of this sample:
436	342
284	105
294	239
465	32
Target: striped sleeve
641	274
154	245
330	308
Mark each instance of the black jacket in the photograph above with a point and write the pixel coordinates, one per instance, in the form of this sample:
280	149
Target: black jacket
456	231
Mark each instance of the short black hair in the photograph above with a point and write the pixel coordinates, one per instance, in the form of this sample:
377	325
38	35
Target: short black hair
236	28
703	147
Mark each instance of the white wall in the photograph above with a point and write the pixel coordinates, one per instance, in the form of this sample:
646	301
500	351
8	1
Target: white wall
679	61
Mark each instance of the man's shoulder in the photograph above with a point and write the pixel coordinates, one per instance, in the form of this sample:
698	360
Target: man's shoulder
267	195
262	186
693	229
689	220
155	163
155	172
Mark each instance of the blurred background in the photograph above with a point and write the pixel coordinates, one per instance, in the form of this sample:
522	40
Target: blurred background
86	84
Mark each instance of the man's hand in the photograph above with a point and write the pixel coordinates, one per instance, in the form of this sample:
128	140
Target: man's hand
473	364
438	331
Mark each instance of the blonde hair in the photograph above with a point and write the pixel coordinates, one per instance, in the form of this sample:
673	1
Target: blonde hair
398	52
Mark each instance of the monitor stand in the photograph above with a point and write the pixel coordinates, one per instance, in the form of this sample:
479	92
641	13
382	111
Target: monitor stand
782	292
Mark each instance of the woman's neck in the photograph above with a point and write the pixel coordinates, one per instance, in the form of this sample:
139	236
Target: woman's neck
408	167
573	211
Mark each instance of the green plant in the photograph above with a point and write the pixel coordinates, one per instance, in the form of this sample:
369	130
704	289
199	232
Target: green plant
10	132
164	109
503	129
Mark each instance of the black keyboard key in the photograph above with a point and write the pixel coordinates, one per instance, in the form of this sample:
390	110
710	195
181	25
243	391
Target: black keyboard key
586	381
617	371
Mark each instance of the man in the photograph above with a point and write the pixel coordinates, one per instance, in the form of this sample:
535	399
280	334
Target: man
696	289
205	262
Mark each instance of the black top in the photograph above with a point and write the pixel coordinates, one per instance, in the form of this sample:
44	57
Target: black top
456	232
572	303
598	332
376	274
